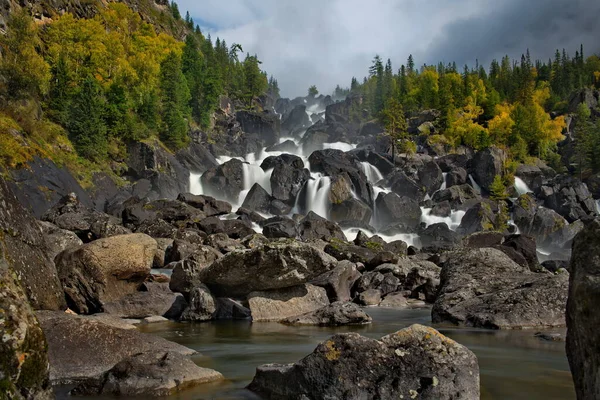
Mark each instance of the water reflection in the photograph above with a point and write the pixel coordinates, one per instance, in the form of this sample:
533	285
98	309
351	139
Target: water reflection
513	364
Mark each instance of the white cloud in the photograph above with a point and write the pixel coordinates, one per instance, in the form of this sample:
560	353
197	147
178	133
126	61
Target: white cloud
326	42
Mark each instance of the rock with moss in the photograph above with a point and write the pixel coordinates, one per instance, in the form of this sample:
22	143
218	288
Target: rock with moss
280	304
583	318
24	249
23	349
416	362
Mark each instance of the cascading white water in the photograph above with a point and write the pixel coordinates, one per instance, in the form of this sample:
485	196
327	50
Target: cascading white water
444	184
521	187
254	174
372	172
317	195
453	221
411	239
598	206
339	146
196	184
474	184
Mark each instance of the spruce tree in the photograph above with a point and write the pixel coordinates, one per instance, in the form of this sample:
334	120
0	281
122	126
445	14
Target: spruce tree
175	96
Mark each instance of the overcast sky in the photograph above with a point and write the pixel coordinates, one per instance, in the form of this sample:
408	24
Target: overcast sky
326	42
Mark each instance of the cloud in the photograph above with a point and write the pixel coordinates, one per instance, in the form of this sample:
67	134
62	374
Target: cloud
328	42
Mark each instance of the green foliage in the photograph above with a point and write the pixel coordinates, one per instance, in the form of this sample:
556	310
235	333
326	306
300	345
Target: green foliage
255	80
175	97
313	91
393	119
498	189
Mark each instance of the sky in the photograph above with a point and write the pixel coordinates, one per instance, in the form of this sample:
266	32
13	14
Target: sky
327	42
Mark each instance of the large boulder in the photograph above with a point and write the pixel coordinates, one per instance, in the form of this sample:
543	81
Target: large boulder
460	197
287	180
76	354
280	227
405	186
272	266
486	164
23	349
202	307
296	120
583	318
225	181
208	205
196	158
147	304
393	209
431	176
334	314
105	270
149	374
314	227
569	197
23	247
266	126
338	281
351	210
485	288
280	304
415	362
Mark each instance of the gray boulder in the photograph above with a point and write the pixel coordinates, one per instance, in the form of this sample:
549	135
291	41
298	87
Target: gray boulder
147	304
202	307
335	314
415	362
280	304
338	281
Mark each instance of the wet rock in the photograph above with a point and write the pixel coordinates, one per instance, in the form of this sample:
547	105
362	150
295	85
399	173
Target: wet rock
335	314
231	309
226	180
414	362
272	266
147	304
296	120
289	146
202	307
57	240
393	209
524	247
208	205
314	226
479	218
456	177
196	158
460	197
555	265
532	175
583	318
404	186
443	209
342	250
237	228
149	374
105	270
186	274
280	227
338	281
351	210
486	164
258	199
485	288
266	126
394	300
287	180
439	237
569	197
430	176
545	224
76	355
280	304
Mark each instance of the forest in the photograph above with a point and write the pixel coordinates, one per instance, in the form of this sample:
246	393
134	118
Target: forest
101	82
515	105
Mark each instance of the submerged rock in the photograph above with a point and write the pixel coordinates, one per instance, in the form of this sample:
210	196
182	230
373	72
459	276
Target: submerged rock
149	374
416	362
335	314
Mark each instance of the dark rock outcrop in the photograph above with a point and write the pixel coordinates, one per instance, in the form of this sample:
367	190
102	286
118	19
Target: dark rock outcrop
486	164
225	181
414	362
393	209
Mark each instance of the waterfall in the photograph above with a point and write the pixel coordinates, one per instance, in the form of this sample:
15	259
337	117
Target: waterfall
339	146
444	184
453	221
196	184
254	174
598	206
317	195
521	187
474	184
372	172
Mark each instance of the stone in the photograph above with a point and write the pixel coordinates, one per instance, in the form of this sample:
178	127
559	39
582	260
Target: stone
105	270
231	309
208	205
314	227
280	227
394	300
371	297
147	304
431	177
460	197
23	248
277	305
351	210
335	314
202	307
583	317
394	209
76	355
484	288
338	281
415	362
149	374
57	240
273	266
225	181
404	186
486	164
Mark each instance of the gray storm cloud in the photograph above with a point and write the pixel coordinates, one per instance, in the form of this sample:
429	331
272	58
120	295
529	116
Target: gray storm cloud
326	43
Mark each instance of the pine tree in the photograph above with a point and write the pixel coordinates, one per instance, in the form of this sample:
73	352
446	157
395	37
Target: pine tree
392	117
86	126
255	80
313	91
175	97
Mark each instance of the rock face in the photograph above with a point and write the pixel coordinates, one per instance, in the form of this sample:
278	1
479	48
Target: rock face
277	305
416	362
272	266
24	249
24	365
225	181
105	270
335	314
486	165
150	374
583	318
393	209
81	347
485	288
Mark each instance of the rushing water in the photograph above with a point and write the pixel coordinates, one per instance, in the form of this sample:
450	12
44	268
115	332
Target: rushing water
521	187
513	364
